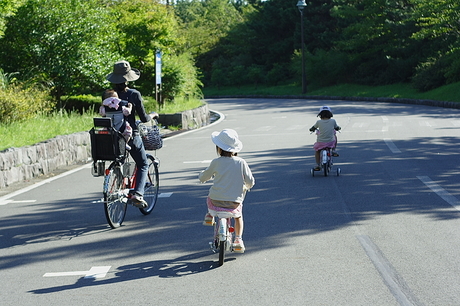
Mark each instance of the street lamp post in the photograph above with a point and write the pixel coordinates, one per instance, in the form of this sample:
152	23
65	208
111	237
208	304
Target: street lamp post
301	5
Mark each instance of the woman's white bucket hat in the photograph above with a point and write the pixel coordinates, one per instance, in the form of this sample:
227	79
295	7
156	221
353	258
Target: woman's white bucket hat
227	140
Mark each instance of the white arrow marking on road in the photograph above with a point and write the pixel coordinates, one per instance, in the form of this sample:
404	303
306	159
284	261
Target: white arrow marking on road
94	272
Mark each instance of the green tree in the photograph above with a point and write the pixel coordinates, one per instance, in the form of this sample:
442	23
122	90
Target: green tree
376	35
7	8
65	43
146	27
439	31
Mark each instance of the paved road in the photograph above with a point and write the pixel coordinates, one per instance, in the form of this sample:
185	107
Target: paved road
385	232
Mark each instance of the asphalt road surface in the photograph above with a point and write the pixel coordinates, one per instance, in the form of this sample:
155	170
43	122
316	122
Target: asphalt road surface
384	232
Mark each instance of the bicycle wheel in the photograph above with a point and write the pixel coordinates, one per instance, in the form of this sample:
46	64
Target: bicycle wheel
114	199
151	186
222	248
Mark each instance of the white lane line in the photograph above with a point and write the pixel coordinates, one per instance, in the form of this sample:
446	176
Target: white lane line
296	127
165	195
444	194
388	141
197	162
265	128
94	272
391	145
392	279
18	192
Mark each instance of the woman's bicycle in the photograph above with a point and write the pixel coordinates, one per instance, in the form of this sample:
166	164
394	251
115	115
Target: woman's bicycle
223	234
108	144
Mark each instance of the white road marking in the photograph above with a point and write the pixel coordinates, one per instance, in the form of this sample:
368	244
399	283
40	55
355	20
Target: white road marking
391	145
198	162
165	195
426	123
444	194
265	128
13	201
296	127
94	272
392	279
18	192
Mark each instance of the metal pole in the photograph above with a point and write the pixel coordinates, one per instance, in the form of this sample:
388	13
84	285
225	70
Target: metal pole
304	77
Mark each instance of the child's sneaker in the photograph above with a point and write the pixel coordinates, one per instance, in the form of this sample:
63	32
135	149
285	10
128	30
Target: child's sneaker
208	220
238	245
334	153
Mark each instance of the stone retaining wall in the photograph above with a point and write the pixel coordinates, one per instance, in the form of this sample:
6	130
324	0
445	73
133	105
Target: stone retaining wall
22	164
190	119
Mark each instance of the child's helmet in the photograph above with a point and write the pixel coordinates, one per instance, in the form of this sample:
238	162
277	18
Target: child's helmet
324	108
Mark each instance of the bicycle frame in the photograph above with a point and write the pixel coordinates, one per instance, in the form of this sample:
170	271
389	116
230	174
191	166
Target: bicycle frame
223	235
120	179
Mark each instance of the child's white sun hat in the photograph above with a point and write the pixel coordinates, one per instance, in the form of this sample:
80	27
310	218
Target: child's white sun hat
227	140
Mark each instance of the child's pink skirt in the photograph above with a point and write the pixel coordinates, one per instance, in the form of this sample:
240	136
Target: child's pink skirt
236	212
321	145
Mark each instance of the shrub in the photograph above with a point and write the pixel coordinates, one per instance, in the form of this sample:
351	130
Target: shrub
18	103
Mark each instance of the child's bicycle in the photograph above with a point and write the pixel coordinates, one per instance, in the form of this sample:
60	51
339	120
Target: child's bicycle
108	144
223	234
326	163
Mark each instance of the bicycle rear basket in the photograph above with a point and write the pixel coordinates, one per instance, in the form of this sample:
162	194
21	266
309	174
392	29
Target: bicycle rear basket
106	142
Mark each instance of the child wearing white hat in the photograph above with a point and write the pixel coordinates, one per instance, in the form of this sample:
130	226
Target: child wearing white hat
326	137
232	178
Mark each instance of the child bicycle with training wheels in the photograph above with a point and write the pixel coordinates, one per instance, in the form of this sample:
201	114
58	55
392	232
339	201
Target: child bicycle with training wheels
232	178
325	129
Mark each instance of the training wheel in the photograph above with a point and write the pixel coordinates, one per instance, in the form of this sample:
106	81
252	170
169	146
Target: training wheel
312	171
338	171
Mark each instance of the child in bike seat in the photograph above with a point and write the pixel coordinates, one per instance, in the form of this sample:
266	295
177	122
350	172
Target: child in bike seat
232	178
117	109
325	129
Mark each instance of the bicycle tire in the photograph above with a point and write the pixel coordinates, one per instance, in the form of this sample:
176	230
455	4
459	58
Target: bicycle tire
152	186
114	200
222	248
324	163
